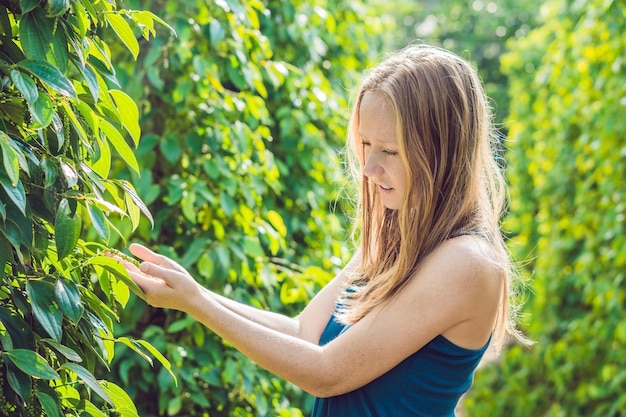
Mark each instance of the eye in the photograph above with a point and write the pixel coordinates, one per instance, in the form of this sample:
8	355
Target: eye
390	153
365	143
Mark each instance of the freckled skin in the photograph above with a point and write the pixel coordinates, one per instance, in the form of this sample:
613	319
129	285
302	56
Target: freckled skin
382	163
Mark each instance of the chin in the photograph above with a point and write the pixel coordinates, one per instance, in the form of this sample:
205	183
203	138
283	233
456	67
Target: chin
391	206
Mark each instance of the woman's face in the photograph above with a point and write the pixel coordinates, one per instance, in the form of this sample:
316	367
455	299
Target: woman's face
380	153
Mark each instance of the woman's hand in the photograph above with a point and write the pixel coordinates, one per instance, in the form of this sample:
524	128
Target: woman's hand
164	282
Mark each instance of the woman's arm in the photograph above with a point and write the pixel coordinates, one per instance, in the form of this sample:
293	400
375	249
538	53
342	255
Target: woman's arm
455	292
308	325
269	319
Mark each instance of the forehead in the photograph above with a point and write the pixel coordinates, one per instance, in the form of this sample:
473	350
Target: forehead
377	121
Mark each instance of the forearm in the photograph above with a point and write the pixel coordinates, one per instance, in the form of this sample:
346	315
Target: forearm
278	322
286	355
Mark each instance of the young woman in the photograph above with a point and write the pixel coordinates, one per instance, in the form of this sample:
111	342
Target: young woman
401	329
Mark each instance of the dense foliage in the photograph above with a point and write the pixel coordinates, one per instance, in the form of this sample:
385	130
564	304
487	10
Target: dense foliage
567	169
243	116
62	117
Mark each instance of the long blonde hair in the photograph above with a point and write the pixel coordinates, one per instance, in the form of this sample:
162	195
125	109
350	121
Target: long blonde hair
455	186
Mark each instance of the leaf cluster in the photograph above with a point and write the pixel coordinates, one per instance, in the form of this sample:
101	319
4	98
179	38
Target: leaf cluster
567	212
63	119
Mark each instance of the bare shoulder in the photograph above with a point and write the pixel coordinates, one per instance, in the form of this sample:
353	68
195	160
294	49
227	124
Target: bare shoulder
467	259
467	271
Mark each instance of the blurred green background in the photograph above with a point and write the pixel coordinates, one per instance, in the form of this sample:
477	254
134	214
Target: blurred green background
243	114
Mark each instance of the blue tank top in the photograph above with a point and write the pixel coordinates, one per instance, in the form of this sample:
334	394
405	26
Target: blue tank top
428	383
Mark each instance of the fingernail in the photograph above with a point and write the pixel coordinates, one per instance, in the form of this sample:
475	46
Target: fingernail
144	267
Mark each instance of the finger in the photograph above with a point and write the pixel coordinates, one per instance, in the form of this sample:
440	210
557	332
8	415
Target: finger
148	285
148	255
144	280
128	265
144	253
163	273
137	279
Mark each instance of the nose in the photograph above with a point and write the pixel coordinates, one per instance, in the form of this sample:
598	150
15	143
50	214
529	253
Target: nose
372	167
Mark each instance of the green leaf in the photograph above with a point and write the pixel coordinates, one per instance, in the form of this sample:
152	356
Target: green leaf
252	247
51	34
104	69
5	24
25	85
130	190
13	111
99	221
123	404
91	79
34	44
147	18
121	292
21	334
170	148
134	212
42	111
49	75
24	155
129	113
95	182
91	409
67	227
60	47
120	145
50	170
31	363
277	222
69	173
28	5
68	297
193	251
124	32
88	379
9	160
16	193
19	381
44	306
105	205
63	350
12	232
101	312
116	268
59	130
88	115
179	325
24	223
159	356
102	165
6	253
48	404
11	53
136	348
